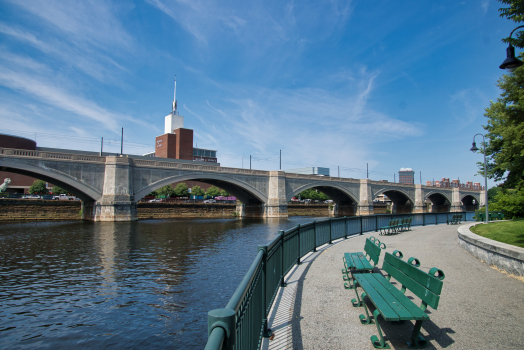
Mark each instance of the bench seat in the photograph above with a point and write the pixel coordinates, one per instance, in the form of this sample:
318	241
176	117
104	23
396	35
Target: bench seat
358	262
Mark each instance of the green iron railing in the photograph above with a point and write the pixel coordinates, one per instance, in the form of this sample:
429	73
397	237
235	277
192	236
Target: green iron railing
243	322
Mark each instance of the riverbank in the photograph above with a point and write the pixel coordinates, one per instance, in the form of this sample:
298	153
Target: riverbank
31	210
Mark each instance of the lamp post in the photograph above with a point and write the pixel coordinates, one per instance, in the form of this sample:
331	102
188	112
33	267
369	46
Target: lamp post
511	62
475	149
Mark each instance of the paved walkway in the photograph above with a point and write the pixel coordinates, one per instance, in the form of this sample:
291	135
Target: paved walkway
480	308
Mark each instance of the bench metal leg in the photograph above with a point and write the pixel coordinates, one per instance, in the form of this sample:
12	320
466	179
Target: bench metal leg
364	319
417	340
357	302
378	343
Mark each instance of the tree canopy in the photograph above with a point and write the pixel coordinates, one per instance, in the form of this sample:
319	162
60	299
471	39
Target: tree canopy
213	191
313	194
197	191
38	187
59	190
505	127
181	190
166	191
515	13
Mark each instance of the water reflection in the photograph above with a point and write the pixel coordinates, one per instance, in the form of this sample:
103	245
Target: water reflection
146	284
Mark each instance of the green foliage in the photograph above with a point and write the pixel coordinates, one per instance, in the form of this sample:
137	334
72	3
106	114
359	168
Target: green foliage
38	187
154	194
59	190
492	193
166	191
224	193
197	191
181	190
515	13
511	202
313	194
213	191
505	137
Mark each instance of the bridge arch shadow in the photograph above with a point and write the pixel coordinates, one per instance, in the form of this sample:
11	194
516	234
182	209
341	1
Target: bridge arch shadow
346	202
470	202
401	200
440	202
243	191
79	189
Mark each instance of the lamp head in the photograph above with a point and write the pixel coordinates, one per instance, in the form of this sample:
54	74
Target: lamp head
511	62
474	147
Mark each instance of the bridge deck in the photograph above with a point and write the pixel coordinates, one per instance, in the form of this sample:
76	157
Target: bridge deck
314	311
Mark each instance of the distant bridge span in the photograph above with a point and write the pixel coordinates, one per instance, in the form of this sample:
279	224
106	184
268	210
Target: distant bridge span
111	186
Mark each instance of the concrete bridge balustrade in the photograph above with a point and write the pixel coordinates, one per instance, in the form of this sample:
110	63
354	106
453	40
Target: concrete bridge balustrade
111	186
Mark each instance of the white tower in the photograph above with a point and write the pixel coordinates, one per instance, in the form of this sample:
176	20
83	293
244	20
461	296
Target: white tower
173	119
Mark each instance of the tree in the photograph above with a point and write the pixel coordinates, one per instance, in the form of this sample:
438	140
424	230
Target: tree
166	191
197	191
511	202
313	194
224	193
213	192
59	190
515	13
181	190
38	187
505	137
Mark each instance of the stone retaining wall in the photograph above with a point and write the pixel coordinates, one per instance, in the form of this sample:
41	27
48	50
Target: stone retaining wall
504	256
189	210
307	210
35	209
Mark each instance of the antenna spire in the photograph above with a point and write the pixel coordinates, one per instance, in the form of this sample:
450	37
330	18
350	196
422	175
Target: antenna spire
174	111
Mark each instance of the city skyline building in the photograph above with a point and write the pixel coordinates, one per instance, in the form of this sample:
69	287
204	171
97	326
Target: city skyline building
406	176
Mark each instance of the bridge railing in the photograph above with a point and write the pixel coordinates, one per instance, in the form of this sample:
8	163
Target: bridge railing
244	321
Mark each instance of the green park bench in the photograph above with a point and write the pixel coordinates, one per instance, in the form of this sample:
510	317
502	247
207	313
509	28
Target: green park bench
493	215
391	303
406	223
358	262
455	220
392	227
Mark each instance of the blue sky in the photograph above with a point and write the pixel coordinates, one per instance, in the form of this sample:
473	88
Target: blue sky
344	84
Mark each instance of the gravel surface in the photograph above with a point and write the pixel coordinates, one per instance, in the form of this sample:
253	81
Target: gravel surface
480	307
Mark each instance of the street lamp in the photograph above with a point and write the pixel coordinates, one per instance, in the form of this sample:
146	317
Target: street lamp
511	62
475	149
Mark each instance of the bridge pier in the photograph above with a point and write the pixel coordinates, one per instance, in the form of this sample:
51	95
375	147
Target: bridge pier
365	206
419	206
116	204
276	206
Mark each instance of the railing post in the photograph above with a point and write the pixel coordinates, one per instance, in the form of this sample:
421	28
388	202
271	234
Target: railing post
282	283
330	235
361	226
423	219
345	227
314	235
376	223
266	332
298	253
226	320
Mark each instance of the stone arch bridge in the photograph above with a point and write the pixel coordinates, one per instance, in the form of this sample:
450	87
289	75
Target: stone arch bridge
111	186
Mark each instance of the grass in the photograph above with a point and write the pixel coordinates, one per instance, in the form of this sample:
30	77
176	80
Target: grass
510	232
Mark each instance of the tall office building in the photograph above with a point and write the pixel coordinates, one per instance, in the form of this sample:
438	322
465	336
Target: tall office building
406	176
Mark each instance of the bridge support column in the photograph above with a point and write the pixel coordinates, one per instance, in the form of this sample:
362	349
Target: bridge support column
116	204
456	204
276	206
419	200
365	206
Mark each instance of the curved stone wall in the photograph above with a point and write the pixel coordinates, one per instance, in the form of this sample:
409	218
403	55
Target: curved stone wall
504	256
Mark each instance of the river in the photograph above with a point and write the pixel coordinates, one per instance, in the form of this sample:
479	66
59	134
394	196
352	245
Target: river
130	285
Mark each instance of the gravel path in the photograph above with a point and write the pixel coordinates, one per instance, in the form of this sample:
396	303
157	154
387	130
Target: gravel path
480	308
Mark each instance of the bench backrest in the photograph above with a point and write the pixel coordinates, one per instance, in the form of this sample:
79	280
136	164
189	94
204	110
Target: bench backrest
422	284
372	250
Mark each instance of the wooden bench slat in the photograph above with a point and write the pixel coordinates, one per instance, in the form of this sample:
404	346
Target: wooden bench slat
430	282
407	303
418	289
357	261
380	303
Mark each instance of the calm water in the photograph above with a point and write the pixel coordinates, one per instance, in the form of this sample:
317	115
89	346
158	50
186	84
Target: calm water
146	284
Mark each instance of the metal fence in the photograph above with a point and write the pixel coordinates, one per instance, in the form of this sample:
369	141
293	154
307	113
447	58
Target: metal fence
243	322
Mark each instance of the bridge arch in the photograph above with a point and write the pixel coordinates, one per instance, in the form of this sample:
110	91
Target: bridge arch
72	185
401	200
469	202
241	190
440	201
333	190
